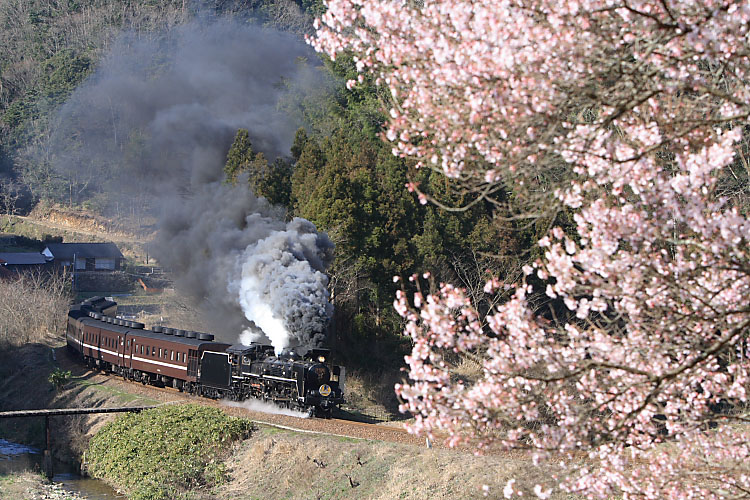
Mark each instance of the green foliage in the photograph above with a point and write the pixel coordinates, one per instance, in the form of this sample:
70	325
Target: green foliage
59	76
26	244
271	181
276	183
164	452
59	378
300	139
315	7
62	73
239	157
347	182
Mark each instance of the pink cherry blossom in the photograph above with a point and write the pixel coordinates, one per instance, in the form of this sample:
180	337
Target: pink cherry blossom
640	390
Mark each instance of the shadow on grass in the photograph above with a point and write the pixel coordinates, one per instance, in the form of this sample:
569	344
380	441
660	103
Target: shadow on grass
375	416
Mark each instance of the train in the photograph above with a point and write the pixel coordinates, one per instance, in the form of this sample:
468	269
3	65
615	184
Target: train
196	363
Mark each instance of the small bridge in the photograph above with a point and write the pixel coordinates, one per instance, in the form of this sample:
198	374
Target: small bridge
71	411
47	462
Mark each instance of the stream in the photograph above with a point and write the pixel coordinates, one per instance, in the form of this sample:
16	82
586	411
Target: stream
16	458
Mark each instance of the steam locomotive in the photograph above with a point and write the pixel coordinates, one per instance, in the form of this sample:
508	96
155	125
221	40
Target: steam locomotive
194	363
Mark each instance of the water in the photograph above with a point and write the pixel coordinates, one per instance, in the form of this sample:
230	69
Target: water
93	489
16	458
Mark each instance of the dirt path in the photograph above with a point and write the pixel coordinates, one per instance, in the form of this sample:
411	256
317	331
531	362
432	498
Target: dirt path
46	225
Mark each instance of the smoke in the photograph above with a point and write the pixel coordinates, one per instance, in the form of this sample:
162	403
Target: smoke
282	288
151	128
159	114
248	270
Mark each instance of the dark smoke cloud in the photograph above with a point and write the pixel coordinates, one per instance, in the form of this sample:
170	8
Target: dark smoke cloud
160	114
155	122
251	272
282	287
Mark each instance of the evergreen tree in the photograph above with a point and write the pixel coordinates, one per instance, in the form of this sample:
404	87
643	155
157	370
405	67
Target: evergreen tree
300	139
239	157
276	184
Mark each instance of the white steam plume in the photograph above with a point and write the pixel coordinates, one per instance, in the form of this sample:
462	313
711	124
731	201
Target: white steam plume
282	287
260	406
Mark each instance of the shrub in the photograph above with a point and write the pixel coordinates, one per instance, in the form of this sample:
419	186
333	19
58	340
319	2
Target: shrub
165	452
59	378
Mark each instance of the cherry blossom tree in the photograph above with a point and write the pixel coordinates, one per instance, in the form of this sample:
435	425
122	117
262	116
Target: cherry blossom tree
638	383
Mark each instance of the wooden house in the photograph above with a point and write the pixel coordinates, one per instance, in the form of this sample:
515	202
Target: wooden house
85	256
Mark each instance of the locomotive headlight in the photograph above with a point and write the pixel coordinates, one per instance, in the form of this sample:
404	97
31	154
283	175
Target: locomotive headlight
325	390
322	359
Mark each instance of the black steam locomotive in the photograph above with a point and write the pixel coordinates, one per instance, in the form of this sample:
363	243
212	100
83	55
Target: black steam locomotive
193	362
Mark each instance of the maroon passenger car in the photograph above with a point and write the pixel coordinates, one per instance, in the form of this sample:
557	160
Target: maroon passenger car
163	356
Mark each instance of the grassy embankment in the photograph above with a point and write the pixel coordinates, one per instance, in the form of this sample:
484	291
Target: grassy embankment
198	453
167	452
282	464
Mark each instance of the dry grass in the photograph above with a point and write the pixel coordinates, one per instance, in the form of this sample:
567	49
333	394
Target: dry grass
33	307
168	308
468	368
373	393
280	464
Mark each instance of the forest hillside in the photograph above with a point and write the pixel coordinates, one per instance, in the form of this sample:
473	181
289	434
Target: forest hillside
319	154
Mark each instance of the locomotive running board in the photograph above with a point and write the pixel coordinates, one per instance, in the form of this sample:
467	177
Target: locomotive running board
279	378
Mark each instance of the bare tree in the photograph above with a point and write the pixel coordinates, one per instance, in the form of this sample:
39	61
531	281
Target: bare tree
33	306
9	194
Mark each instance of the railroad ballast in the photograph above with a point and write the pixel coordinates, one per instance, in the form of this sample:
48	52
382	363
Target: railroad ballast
193	362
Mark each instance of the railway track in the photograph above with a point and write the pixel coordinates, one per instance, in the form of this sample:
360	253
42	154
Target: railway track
333	426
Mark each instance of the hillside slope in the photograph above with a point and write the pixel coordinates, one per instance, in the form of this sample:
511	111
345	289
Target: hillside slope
273	462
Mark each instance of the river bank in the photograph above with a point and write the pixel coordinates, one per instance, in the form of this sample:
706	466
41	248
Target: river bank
33	486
